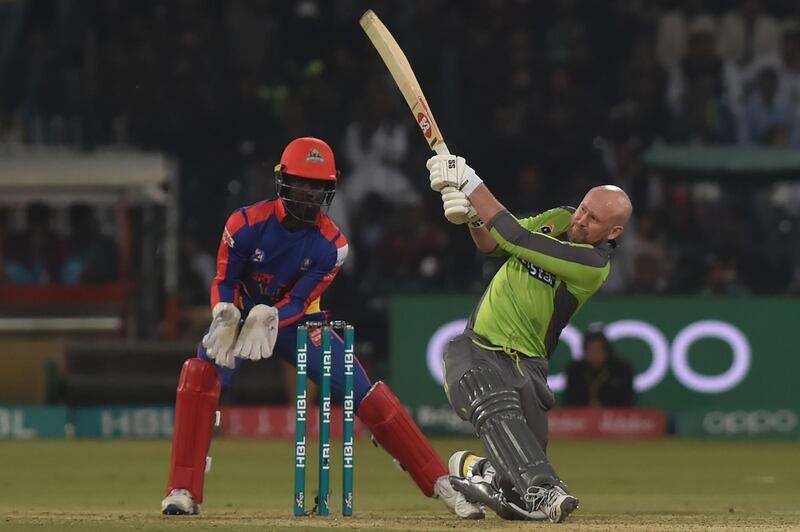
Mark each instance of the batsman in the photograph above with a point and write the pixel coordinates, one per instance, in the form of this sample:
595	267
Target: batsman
496	370
275	260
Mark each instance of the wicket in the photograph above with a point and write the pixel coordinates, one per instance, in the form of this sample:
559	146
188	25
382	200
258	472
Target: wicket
301	410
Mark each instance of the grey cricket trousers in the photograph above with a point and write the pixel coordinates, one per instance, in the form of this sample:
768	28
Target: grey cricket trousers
528	377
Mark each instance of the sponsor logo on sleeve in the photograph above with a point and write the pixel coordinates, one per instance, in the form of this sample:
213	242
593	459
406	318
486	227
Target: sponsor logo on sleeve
227	239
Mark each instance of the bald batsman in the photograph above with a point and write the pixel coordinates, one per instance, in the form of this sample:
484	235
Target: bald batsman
496	370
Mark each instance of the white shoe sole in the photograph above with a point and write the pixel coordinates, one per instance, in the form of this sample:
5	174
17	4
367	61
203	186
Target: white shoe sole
174	509
179	502
566	507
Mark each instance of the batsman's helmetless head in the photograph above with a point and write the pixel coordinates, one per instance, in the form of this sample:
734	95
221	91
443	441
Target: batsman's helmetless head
601	216
306	177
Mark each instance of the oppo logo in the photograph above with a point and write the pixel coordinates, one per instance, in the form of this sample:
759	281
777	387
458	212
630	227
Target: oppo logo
750	422
664	355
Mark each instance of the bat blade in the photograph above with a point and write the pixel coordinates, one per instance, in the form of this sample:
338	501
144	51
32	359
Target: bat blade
398	65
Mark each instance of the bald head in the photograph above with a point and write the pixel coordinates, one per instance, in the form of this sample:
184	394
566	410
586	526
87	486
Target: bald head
613	202
601	216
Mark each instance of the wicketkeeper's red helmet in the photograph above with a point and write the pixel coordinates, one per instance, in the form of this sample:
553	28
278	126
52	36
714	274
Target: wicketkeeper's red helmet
306	162
309	157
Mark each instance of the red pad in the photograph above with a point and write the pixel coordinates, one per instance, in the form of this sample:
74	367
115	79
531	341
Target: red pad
396	432
195	410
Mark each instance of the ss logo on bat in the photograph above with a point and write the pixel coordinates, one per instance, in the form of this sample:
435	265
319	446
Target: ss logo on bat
424	124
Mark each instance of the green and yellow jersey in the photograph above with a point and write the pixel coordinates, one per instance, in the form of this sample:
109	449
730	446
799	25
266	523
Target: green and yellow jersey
544	282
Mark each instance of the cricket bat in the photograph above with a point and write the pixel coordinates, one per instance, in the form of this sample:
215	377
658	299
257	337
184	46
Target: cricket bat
404	77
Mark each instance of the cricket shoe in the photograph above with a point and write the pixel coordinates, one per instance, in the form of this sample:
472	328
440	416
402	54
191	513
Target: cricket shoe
456	501
443	491
553	501
462	464
473	476
179	502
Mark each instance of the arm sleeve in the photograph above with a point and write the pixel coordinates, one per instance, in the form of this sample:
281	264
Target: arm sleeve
580	264
529	223
311	285
232	257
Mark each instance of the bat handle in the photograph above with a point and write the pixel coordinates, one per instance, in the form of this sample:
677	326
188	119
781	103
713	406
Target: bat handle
441	149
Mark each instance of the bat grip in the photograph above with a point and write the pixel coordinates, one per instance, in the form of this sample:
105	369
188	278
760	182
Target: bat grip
441	149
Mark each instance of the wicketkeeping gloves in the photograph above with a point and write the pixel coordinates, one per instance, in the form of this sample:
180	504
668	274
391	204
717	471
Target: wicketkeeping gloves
222	333
259	333
452	171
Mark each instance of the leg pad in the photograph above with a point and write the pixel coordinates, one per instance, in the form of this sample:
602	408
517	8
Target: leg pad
496	413
395	431
195	414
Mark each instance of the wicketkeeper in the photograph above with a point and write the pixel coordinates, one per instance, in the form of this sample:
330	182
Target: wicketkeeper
275	260
496	371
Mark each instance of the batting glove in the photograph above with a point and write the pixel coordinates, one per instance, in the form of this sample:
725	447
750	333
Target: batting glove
452	171
457	208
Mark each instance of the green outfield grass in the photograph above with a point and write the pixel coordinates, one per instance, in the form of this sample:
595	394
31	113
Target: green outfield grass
660	485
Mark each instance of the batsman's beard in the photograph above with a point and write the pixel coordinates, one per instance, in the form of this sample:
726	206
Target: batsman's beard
576	234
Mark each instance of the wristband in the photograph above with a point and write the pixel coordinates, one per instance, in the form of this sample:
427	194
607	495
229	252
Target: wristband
471	181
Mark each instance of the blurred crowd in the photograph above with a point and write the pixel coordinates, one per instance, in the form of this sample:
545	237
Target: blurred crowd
71	250
545	98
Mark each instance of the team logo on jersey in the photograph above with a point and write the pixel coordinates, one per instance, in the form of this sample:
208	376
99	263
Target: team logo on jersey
547	229
314	156
538	273
257	256
306	264
227	239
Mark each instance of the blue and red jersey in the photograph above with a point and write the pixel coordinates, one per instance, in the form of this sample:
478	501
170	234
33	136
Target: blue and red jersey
260	262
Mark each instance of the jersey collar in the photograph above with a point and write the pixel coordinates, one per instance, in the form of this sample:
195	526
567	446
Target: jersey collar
280	210
609	247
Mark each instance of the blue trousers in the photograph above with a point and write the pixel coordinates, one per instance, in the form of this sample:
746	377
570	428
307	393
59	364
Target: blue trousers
285	348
